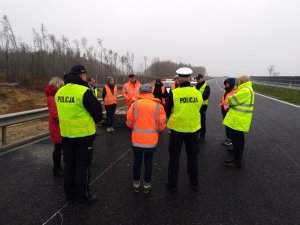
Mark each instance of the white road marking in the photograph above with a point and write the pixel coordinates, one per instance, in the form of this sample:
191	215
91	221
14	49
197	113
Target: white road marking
297	106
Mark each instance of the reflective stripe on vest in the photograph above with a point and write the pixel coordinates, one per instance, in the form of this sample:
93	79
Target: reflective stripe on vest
246	108
145	138
185	116
130	91
74	120
110	98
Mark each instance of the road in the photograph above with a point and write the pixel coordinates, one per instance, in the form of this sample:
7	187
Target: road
264	191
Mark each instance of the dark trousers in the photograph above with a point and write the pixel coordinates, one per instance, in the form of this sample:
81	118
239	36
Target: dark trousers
227	129
203	120
110	114
56	155
192	149
238	142
77	174
137	164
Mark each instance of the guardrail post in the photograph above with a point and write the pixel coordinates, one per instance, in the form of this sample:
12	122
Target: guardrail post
3	135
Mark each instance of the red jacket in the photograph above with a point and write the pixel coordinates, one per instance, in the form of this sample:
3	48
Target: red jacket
53	115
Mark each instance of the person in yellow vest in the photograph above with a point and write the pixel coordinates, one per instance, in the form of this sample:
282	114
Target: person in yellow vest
78	112
146	117
92	84
182	109
159	91
109	95
205	91
229	90
239	117
131	89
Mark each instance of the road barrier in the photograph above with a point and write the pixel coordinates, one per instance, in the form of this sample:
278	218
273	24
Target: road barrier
25	116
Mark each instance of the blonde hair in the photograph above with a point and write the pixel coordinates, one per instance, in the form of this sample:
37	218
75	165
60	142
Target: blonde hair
56	82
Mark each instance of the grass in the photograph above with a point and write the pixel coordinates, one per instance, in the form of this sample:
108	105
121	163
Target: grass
284	94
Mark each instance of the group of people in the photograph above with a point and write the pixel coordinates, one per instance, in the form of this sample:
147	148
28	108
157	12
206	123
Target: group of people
75	111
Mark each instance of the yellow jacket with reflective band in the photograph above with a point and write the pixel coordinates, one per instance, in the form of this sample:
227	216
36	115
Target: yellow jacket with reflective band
239	115
185	116
110	98
74	120
146	116
205	102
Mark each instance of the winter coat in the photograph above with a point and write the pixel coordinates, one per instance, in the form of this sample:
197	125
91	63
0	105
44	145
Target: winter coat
53	115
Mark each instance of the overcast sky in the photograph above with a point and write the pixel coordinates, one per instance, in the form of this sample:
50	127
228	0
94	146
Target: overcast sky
228	37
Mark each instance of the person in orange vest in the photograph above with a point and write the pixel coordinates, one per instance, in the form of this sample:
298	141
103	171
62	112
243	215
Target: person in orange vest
131	89
159	91
176	82
229	90
146	117
109	95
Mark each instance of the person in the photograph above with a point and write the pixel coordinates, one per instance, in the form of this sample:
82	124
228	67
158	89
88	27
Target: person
54	84
159	91
176	82
78	112
182	109
146	117
131	89
109	95
205	91
239	117
92	85
229	90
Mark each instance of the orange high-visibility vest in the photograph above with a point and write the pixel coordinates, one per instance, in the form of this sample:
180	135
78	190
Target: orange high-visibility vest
163	89
110	98
224	101
146	116
129	90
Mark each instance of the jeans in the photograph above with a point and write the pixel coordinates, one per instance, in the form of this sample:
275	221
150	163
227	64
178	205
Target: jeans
137	164
110	114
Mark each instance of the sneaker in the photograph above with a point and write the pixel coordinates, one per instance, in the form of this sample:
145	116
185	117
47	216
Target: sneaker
112	129
147	188
108	129
136	186
227	142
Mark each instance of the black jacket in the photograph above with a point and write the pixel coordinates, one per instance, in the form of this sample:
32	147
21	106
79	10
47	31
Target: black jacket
206	92
90	102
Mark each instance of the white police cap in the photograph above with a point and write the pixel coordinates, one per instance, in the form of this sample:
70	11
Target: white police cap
184	72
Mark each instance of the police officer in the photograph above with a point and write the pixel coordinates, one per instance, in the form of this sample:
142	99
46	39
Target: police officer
182	109
239	117
78	113
205	91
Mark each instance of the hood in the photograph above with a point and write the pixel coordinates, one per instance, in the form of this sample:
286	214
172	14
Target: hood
231	81
50	90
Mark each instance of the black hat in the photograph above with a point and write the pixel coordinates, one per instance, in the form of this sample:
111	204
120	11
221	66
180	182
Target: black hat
77	69
131	75
199	76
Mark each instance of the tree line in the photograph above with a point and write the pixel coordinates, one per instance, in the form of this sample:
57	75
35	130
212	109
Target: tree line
50	55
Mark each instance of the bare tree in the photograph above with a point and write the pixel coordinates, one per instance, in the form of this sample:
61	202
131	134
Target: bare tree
271	69
9	31
145	60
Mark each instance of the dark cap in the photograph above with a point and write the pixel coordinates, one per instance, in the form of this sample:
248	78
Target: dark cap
131	75
77	69
199	76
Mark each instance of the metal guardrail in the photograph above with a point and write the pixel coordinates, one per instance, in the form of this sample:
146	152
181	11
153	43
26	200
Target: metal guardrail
21	117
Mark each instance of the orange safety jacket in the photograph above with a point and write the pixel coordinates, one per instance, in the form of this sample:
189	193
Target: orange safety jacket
146	117
130	90
163	89
224	101
110	98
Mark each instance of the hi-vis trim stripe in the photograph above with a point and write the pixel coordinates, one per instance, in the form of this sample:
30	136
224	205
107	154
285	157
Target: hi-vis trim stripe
144	145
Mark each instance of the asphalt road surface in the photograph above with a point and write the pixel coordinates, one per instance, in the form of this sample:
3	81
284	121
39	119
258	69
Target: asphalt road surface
264	191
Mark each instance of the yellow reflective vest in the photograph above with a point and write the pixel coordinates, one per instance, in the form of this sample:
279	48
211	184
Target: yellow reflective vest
239	115
205	102
74	120
185	116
